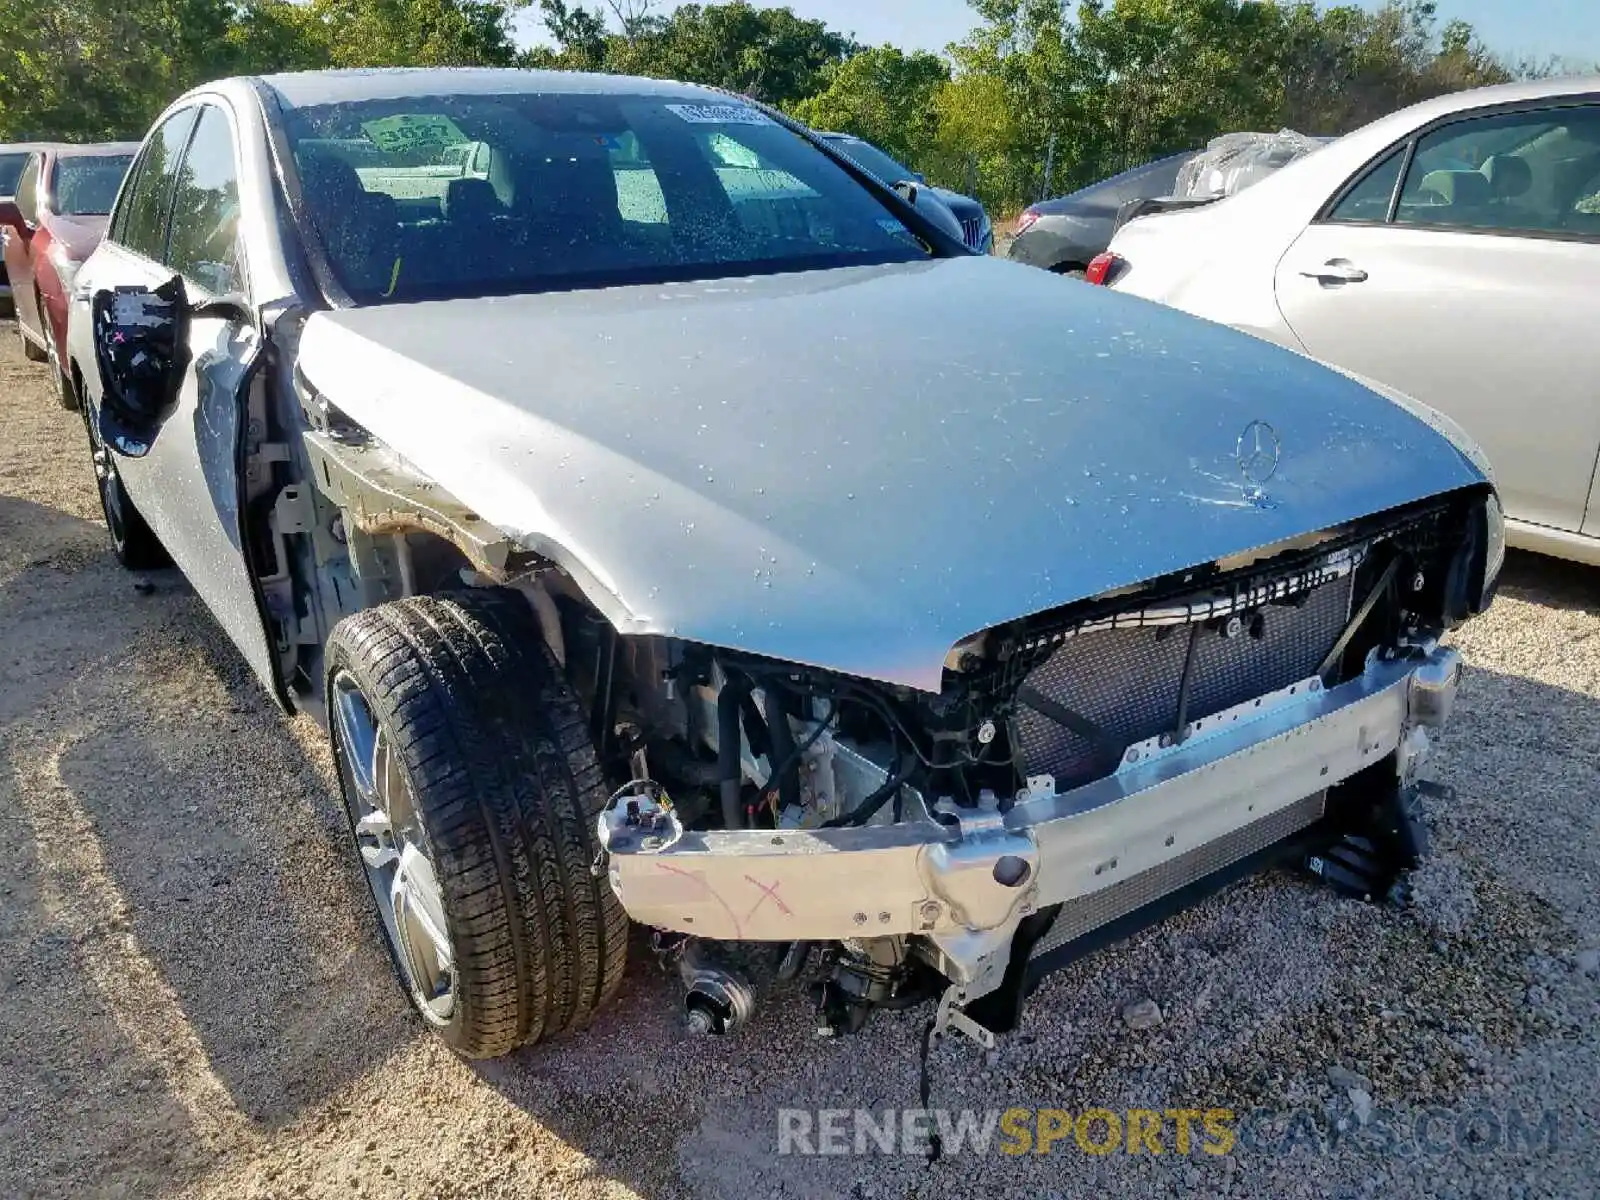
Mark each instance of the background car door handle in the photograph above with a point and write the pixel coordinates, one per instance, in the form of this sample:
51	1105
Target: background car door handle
1336	270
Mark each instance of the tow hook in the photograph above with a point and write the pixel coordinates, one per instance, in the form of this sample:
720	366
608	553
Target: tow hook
717	997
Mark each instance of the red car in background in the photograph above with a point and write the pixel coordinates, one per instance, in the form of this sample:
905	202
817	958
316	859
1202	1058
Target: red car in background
63	196
12	159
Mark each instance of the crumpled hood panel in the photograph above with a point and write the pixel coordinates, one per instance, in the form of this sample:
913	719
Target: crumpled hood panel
856	468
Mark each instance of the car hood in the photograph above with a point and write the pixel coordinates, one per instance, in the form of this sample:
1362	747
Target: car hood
79	234
856	468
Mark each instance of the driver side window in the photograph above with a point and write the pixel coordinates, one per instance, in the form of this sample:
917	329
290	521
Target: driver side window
1531	172
140	222
27	197
203	246
1507	173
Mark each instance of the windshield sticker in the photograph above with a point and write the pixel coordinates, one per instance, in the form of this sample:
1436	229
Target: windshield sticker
406	133
720	114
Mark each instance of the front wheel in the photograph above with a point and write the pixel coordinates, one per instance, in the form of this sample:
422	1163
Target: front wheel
29	351
472	790
132	541
65	396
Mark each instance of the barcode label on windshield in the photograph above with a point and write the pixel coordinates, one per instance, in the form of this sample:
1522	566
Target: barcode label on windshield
720	114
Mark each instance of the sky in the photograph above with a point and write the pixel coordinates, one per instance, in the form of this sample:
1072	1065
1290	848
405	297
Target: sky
1513	28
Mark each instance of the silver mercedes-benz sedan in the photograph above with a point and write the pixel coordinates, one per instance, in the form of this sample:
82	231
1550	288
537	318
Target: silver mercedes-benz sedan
671	522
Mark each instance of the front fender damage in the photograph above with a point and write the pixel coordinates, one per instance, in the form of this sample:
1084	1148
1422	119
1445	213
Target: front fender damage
1093	854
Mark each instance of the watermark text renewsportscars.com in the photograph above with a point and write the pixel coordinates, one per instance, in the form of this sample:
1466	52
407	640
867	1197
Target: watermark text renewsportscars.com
1408	1133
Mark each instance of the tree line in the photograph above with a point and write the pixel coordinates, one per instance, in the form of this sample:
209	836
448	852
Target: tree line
1041	96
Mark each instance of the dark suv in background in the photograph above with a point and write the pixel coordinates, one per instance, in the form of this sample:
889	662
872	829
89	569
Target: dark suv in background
976	229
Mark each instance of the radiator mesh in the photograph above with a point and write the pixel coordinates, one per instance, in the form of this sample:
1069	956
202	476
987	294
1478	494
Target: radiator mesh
1126	681
1081	916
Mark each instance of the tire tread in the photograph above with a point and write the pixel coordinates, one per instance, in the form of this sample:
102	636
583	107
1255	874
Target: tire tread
496	748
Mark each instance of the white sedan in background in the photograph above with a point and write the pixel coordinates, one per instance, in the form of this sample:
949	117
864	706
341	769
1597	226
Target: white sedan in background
1451	252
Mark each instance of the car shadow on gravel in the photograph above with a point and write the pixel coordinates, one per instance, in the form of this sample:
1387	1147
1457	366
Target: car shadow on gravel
1550	581
186	952
231	855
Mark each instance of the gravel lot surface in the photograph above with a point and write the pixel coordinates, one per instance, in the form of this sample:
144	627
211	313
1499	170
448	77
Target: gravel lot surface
193	1001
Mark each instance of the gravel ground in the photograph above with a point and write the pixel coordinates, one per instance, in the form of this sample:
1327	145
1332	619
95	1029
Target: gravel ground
194	1003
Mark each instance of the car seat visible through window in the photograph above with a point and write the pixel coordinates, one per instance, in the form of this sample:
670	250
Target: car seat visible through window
358	228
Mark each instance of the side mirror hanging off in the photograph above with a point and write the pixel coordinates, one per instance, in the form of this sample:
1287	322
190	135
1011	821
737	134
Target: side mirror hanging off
141	346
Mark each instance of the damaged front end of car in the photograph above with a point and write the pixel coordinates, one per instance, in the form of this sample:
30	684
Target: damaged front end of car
1080	772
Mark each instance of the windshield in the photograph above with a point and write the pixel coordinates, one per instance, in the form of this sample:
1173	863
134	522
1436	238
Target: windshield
449	196
10	171
87	185
871	160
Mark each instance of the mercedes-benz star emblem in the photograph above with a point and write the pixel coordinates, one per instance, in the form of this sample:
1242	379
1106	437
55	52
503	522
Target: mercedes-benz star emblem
1258	453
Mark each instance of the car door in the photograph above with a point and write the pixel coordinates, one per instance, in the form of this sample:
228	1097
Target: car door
180	215
19	249
1463	269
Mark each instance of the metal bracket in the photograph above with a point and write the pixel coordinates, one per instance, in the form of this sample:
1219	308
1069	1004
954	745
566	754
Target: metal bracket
292	511
975	963
951	1019
272	452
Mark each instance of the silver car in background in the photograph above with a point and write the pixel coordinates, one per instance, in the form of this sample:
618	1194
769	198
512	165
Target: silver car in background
1450	252
1065	233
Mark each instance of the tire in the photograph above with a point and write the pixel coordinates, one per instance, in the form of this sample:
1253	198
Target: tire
133	542
29	351
65	396
489	775
1070	270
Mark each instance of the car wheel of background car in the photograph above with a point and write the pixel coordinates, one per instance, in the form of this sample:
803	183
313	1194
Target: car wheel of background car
133	542
29	351
472	788
1071	270
67	398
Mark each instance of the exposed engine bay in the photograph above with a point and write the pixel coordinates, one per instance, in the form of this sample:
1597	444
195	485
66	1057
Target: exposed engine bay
714	740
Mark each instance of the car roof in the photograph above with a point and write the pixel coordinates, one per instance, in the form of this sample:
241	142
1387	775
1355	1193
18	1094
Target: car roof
1502	93
83	149
30	147
302	88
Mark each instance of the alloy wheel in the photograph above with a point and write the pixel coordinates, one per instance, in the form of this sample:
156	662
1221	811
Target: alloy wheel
109	484
53	358
394	852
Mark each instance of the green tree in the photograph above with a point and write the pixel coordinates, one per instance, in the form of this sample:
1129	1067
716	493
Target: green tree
95	69
579	34
92	69
426	33
884	95
766	53
1110	83
1342	67
278	35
